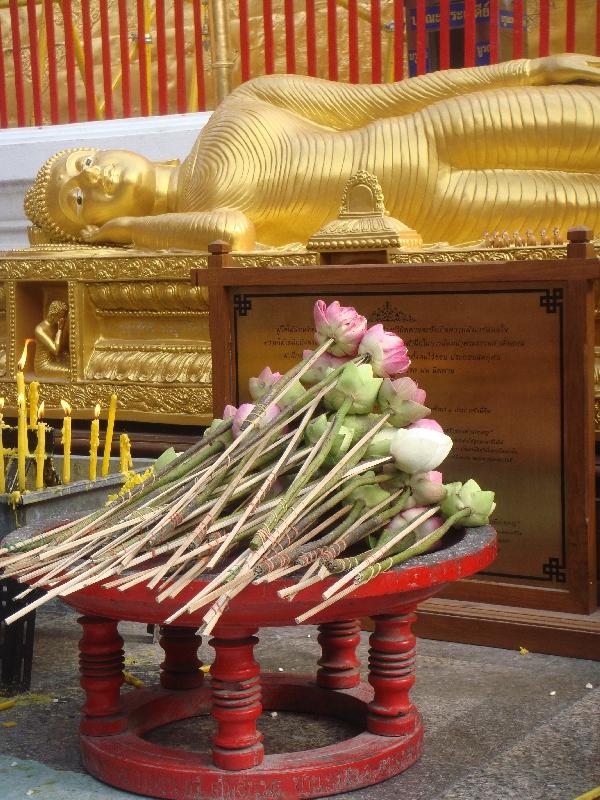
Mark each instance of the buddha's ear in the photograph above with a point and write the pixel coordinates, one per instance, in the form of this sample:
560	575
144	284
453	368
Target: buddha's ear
173	162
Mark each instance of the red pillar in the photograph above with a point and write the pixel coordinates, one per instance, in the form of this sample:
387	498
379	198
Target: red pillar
181	667
392	675
101	666
236	699
339	662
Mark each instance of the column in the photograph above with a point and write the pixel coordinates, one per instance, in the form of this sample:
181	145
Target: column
339	662
181	667
101	666
236	699
392	675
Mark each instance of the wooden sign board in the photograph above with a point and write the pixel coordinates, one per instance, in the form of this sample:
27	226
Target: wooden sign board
503	352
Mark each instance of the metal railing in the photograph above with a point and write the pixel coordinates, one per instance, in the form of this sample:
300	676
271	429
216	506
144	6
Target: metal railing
74	60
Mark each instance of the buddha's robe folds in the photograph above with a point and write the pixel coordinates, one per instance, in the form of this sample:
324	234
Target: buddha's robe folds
456	153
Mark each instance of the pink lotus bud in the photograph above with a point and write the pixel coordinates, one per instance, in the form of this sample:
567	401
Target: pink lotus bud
387	351
427	424
404	400
427	488
258	387
425	528
342	323
419	449
324	364
229	411
244	410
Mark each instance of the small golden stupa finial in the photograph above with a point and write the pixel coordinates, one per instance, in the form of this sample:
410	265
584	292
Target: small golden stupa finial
363	222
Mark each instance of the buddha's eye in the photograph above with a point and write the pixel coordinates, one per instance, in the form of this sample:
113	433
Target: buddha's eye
78	200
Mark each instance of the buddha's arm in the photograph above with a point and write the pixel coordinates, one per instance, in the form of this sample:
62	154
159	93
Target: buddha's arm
54	343
192	230
343	106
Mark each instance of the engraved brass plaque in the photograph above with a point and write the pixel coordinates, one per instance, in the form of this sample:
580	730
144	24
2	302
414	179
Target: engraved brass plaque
490	360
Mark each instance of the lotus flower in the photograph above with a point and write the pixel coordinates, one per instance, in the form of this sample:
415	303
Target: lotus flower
427	424
357	383
342	323
402	520
369	495
469	495
321	367
226	437
341	444
427	488
419	449
386	350
259	386
404	399
244	410
379	446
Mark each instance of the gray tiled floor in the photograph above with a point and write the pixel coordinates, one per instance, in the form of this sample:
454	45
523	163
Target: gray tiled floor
499	725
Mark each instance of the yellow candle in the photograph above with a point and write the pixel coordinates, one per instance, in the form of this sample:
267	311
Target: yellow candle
110	426
94	442
2	475
34	397
20	367
66	442
125	453
40	452
22	448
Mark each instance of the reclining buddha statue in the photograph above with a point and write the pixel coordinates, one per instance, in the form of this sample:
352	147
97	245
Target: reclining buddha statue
510	146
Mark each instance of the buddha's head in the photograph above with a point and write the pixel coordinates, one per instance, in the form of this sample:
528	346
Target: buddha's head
57	311
84	186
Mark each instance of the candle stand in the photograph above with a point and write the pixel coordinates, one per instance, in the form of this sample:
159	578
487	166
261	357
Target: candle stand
235	765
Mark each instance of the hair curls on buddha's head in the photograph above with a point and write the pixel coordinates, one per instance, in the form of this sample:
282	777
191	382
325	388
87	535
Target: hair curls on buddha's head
37	202
57	310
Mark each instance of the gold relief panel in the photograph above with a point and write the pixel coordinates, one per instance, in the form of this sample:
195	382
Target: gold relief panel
108	322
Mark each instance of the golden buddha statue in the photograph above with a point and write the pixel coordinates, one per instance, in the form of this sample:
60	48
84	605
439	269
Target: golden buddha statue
504	147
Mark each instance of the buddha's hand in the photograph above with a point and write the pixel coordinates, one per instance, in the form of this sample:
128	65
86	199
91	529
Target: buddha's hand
564	68
115	231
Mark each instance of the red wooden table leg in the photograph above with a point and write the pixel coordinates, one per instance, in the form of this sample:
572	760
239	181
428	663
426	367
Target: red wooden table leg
392	675
101	665
236	699
181	667
339	662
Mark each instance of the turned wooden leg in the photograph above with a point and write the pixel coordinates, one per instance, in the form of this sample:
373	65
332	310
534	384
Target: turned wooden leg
181	667
392	675
101	667
339	662
236	699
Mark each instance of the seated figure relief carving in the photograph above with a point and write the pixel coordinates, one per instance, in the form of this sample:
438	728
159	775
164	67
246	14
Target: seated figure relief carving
52	341
512	146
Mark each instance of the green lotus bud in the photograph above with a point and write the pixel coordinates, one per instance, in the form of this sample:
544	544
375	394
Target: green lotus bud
369	495
404	400
357	383
226	437
469	496
294	392
379	446
360	424
315	429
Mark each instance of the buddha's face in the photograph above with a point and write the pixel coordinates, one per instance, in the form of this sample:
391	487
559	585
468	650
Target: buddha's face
91	187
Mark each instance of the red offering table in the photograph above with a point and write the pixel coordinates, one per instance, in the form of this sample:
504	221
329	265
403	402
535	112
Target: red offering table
236	692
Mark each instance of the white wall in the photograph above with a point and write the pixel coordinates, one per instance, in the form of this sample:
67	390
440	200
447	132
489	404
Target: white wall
24	150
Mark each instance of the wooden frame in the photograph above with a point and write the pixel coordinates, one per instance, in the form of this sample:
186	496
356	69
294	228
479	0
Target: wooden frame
570	280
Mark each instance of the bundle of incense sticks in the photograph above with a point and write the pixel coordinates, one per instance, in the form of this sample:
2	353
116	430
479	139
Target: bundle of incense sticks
330	472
